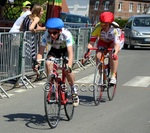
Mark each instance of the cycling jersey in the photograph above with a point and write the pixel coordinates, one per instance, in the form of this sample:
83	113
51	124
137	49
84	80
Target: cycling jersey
64	40
112	36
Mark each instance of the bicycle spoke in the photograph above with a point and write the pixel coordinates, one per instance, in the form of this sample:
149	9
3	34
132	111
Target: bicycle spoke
97	93
52	108
69	108
98	89
111	91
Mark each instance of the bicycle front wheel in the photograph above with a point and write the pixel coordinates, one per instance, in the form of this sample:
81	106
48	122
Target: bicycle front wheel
69	108
97	88
52	107
111	90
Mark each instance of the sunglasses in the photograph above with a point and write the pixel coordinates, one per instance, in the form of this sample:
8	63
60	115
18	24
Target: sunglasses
54	32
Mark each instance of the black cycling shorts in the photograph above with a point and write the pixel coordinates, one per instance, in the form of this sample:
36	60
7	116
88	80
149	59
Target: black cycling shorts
57	53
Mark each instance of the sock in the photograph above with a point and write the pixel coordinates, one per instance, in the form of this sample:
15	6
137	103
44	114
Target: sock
74	89
113	75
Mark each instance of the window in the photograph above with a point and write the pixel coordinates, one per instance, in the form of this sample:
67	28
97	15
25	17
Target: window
145	8
120	6
131	7
138	8
148	9
142	21
96	5
106	5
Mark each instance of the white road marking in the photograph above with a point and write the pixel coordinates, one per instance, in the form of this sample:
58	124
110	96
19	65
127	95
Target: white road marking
87	79
20	90
138	81
41	83
4	96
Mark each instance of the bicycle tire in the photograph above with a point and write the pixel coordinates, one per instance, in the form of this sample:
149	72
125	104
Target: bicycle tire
97	89
69	108
52	107
111	90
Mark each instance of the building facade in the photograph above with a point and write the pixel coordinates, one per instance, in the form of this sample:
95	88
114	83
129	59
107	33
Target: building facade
79	7
122	9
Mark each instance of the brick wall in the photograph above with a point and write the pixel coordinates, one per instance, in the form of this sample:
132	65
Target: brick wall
123	14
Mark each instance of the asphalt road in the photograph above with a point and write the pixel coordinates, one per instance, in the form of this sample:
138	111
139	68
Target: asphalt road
129	112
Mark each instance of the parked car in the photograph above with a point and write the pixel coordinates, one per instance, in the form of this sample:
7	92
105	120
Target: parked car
75	21
137	31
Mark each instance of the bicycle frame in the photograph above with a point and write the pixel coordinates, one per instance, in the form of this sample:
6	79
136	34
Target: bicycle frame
56	94
100	62
103	77
59	81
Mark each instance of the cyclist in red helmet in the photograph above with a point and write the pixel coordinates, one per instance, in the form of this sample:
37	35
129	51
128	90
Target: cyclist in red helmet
108	35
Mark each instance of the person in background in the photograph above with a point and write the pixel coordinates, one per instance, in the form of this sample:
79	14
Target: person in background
2	6
27	6
31	22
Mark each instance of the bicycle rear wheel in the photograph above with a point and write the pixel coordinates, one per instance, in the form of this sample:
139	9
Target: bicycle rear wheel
111	90
52	107
97	88
69	108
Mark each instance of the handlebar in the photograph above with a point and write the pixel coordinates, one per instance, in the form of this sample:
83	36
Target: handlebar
55	60
101	48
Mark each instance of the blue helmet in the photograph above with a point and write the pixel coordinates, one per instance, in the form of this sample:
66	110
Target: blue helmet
54	23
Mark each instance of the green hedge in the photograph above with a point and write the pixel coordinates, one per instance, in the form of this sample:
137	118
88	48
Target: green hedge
13	11
121	22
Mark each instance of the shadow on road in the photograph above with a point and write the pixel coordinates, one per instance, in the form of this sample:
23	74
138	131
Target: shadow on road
89	100
86	100
34	121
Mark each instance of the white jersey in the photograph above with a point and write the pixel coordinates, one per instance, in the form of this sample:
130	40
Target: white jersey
65	39
18	22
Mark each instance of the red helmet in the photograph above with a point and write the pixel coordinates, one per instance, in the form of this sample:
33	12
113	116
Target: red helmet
106	17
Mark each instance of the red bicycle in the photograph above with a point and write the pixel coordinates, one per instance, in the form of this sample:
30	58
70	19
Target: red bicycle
102	77
57	94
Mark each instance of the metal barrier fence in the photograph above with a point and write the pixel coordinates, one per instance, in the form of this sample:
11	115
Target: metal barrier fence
16	53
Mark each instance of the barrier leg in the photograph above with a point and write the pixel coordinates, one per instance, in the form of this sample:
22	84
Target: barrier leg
92	61
23	79
28	82
80	65
3	92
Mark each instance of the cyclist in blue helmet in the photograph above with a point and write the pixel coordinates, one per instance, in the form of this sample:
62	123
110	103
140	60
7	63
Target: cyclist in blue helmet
61	41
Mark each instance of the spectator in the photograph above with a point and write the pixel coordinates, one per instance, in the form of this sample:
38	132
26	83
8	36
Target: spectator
31	23
26	7
2	6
